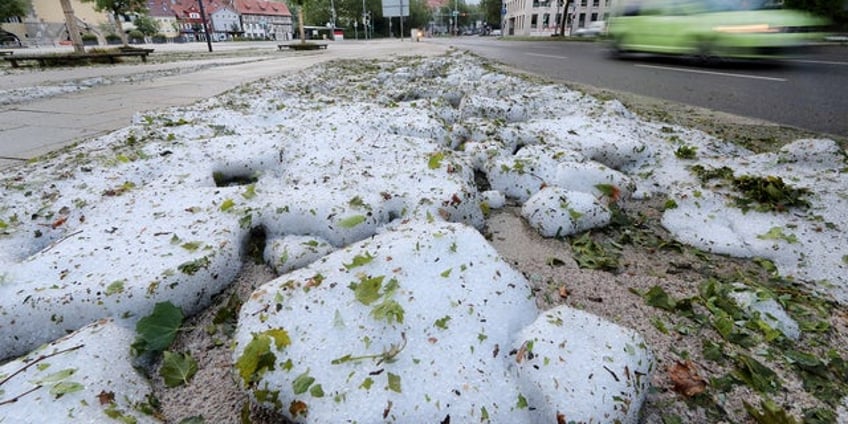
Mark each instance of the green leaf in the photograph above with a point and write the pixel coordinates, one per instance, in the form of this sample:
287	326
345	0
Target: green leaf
250	192
227	205
657	297
114	288
54	377
776	233
755	375
368	290
157	331
192	246
367	383
442	322
197	419
771	414
359	260
446	273
316	391
257	357
64	387
389	310
177	368
522	402
280	337
435	160
301	384
394	383
352	221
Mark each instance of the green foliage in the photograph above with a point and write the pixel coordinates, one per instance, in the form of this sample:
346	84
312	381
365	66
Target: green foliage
257	357
146	25
177	368
14	8
686	152
158	330
592	255
352	221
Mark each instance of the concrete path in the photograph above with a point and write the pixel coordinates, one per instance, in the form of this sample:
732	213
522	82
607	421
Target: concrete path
33	128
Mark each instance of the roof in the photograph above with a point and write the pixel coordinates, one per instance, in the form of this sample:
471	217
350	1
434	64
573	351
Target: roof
160	8
261	7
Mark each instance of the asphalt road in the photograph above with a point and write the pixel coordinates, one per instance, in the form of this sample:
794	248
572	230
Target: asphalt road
811	94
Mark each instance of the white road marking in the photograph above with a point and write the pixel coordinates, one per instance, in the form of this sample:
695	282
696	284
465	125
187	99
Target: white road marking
721	74
820	62
546	55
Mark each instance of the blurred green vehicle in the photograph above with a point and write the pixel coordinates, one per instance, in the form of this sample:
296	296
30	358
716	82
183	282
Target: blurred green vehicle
712	29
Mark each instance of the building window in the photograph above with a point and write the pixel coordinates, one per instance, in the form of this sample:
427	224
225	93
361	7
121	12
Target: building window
581	21
558	19
596	3
594	17
546	20
584	3
534	20
535	3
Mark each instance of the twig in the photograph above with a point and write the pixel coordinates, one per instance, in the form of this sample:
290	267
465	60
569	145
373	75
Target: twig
18	397
37	360
52	245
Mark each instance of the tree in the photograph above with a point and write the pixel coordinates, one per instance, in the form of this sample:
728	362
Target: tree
300	5
12	8
491	10
118	8
146	24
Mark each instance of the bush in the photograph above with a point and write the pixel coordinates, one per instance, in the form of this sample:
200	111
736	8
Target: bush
89	40
136	36
113	39
159	38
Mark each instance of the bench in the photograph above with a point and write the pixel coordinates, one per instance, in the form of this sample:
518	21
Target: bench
44	60
302	46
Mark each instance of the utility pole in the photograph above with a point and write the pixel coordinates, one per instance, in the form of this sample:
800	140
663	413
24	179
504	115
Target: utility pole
73	30
205	26
564	17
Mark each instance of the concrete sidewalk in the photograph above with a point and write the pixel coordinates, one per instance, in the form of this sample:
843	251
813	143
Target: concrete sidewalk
37	127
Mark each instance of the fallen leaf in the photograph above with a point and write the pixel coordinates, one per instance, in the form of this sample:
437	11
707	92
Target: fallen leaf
105	397
297	408
563	292
686	379
58	223
560	418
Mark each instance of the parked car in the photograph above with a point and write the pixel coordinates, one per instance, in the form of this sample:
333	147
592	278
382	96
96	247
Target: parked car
594	29
496	32
746	29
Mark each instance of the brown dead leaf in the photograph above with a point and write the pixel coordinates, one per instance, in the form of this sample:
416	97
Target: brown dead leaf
105	397
444	214
560	418
58	222
563	292
297	408
686	380
519	357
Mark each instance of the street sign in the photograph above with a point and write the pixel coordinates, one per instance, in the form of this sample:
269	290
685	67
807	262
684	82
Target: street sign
393	8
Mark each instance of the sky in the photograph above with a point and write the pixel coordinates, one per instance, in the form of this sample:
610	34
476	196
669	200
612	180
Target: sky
364	185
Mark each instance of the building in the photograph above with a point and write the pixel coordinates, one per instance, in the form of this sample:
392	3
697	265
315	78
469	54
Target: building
264	20
178	19
225	23
541	17
45	24
161	12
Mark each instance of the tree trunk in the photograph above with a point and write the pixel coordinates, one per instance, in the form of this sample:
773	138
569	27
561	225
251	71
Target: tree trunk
73	30
300	24
120	27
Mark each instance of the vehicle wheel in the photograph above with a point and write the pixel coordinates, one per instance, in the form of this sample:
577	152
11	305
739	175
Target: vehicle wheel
614	49
705	54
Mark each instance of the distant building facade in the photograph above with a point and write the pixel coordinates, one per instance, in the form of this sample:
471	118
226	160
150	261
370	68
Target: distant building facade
542	17
178	20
